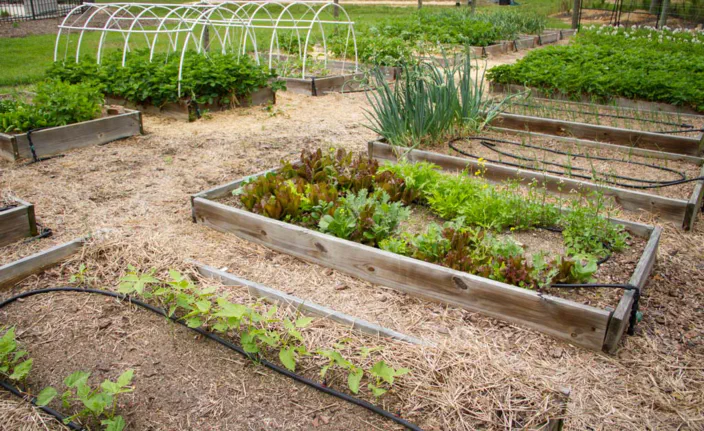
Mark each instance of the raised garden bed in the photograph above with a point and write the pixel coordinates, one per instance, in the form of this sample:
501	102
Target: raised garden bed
341	76
549	37
679	211
613	135
187	109
17	220
613	100
115	124
584	325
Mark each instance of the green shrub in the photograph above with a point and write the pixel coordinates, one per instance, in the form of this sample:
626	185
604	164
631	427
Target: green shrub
635	64
227	77
56	103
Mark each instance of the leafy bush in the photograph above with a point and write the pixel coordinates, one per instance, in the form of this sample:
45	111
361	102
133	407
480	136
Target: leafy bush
660	66
393	41
56	103
227	77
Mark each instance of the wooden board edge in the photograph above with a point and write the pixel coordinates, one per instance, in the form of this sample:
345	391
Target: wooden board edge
694	205
621	102
8	147
18	270
598	317
669	209
21	218
306	307
621	316
699	161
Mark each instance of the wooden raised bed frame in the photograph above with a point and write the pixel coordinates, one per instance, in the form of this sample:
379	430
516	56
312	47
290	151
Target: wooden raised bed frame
56	140
14	272
679	211
622	102
347	81
583	325
614	135
17	222
185	110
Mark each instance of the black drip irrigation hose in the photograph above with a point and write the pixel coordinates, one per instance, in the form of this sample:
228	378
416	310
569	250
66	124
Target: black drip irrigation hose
36	159
44	232
353	400
490	143
33	400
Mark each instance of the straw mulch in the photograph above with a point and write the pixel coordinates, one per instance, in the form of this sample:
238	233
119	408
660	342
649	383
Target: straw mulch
482	374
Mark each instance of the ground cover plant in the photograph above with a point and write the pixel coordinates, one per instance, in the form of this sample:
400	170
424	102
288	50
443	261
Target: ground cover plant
227	78
639	63
55	103
261	330
394	40
352	197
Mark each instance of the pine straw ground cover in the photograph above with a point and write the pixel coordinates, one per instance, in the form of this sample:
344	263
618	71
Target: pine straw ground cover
140	188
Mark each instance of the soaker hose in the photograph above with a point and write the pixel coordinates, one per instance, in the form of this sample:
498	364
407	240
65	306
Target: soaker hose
48	410
229	345
490	143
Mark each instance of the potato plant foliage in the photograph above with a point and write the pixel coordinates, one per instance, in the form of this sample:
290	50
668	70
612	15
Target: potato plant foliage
228	78
354	198
392	42
55	103
638	63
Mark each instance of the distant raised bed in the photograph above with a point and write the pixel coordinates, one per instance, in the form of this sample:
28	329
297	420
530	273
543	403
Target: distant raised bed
681	211
17	220
164	85
592	327
116	123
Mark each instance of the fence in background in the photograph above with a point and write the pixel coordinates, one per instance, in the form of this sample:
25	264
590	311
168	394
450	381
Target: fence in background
27	10
654	13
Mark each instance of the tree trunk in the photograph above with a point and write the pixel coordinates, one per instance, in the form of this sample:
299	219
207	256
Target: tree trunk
336	9
663	14
654	7
420	4
576	9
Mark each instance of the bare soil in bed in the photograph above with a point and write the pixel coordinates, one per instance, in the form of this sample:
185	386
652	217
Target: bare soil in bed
603	170
140	188
604	115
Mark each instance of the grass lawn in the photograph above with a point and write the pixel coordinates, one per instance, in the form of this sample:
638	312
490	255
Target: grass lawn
25	59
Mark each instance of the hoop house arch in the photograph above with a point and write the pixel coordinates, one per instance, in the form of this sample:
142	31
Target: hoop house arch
237	27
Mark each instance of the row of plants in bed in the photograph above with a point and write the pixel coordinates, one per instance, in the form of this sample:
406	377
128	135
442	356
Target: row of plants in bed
638	63
354	198
55	103
395	39
222	78
263	332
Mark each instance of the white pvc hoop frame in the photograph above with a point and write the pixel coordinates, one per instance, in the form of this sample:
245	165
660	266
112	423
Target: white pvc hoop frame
234	27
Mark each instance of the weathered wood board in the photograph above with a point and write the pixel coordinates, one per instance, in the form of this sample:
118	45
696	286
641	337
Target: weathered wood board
576	323
15	271
549	37
613	135
17	222
56	140
306	307
186	110
674	210
615	100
